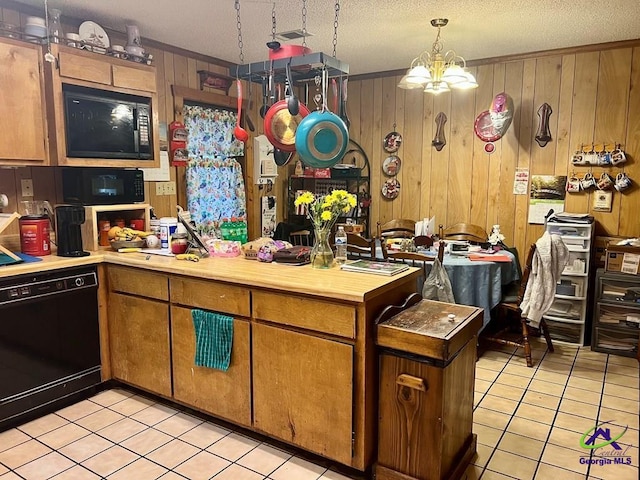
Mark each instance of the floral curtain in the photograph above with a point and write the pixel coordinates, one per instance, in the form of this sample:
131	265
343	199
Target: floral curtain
215	186
215	190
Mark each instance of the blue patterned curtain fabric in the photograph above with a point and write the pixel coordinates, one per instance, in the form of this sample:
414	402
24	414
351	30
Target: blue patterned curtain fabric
215	186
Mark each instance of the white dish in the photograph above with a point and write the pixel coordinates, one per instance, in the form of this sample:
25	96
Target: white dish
93	34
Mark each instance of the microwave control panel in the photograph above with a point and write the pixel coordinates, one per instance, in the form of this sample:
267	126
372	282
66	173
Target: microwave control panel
143	125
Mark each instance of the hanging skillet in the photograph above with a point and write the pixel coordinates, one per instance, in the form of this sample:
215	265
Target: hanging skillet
322	136
280	126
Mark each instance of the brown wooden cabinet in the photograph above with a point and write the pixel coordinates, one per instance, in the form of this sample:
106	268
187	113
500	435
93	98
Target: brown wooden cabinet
223	394
139	329
303	390
22	112
88	69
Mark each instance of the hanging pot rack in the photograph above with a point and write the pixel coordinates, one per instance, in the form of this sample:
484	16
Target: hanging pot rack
303	68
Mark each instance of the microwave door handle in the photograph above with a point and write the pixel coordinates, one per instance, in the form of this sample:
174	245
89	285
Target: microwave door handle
136	132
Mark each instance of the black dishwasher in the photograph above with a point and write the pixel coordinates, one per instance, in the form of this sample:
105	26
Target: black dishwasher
49	340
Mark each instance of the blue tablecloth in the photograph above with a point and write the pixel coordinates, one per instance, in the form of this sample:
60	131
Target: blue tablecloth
475	283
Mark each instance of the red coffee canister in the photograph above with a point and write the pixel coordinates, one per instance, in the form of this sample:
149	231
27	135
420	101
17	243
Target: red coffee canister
34	235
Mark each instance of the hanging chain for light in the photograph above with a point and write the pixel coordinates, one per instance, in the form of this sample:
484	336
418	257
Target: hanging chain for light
335	28
304	24
273	22
239	25
49	57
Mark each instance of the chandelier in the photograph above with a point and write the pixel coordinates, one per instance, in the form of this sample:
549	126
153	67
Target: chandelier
436	72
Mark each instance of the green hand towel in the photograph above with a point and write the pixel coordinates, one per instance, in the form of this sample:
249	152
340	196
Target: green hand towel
214	339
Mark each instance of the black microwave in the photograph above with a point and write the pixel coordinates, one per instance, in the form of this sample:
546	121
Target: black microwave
102	186
103	124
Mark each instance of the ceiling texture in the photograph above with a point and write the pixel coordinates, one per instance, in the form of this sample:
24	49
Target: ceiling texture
373	35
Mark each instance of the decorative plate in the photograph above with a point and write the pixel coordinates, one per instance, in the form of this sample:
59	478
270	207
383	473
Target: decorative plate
93	34
484	128
391	165
391	188
392	142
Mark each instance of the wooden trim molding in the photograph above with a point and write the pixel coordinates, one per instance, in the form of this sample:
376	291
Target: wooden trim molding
516	57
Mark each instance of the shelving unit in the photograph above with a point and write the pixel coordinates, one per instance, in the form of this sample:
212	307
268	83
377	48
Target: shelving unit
127	212
355	180
567	318
616	319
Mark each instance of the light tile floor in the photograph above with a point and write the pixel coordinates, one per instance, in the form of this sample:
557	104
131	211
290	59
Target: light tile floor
529	422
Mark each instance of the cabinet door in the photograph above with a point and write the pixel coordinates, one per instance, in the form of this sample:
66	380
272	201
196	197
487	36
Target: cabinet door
223	394
21	104
139	340
303	390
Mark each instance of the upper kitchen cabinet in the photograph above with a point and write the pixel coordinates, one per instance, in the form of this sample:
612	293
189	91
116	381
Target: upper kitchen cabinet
119	95
22	115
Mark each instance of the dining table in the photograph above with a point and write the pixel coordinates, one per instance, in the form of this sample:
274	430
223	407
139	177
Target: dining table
475	283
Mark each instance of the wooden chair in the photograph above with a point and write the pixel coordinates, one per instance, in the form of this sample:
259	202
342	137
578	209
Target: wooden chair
423	241
512	311
360	247
464	231
301	237
397	228
415	259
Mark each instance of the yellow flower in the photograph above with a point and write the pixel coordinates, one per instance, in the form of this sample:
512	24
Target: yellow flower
305	199
326	215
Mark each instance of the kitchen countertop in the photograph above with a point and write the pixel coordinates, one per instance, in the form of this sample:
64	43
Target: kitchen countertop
332	283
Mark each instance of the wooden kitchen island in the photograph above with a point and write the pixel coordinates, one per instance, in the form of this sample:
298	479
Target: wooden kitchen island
304	363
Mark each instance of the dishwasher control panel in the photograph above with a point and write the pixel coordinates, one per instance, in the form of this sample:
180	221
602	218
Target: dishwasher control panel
27	287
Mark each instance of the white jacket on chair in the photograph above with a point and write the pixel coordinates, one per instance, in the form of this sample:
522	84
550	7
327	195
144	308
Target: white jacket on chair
549	260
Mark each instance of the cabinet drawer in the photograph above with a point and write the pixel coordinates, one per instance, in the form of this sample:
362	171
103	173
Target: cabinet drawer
138	282
210	295
134	78
564	331
619	290
318	315
82	68
616	341
618	316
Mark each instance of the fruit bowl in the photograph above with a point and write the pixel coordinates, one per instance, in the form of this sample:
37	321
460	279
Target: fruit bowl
118	244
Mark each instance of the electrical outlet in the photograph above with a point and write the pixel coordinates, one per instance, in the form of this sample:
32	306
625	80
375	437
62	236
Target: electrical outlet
165	188
27	187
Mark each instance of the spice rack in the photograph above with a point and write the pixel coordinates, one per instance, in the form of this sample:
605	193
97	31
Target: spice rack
94	213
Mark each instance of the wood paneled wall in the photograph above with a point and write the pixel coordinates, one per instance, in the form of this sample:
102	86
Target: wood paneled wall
595	98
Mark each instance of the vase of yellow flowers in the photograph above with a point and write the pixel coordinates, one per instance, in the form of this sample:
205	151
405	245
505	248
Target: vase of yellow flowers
323	211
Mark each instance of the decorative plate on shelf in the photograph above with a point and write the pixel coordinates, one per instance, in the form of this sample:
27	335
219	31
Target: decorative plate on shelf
93	34
391	165
391	188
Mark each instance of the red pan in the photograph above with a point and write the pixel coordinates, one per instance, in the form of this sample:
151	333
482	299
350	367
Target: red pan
280	126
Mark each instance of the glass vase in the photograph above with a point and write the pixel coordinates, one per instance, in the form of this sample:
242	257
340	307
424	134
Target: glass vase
321	253
55	26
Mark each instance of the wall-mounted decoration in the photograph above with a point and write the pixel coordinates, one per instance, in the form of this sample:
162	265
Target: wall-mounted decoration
501	113
391	165
489	147
178	144
600	154
602	201
390	188
543	136
521	181
492	124
547	192
392	142
439	141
